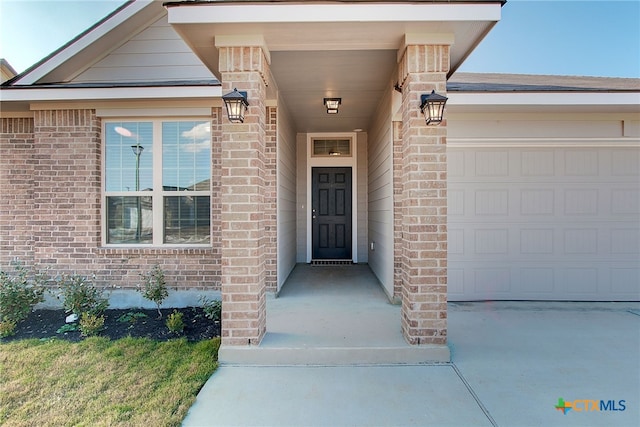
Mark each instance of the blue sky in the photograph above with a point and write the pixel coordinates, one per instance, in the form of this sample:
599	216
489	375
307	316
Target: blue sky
575	37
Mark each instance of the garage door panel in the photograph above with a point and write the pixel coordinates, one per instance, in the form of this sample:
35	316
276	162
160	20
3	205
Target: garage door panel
582	163
552	223
537	280
549	281
580	241
537	241
491	163
537	201
624	281
625	201
493	281
580	201
625	163
538	163
625	241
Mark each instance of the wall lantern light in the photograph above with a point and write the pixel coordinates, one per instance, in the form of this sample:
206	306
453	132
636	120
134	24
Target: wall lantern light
332	105
432	107
236	103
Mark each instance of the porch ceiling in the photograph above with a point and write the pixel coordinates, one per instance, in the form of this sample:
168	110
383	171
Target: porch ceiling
345	50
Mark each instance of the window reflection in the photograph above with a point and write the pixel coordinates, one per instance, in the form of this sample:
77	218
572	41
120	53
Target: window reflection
126	170
186	155
129	219
187	219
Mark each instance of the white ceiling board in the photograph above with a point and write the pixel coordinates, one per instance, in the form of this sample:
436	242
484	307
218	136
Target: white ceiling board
358	77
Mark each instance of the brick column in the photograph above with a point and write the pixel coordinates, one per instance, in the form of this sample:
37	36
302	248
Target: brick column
243	200
271	201
397	211
424	199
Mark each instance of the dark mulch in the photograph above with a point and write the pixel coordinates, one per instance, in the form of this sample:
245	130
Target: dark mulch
44	324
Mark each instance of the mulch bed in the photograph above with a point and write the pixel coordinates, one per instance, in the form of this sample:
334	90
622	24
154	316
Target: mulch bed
44	324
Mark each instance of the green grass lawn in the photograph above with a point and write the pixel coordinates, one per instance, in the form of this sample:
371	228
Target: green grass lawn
98	382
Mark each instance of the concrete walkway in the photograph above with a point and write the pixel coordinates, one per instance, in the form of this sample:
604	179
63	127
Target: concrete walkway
332	315
510	363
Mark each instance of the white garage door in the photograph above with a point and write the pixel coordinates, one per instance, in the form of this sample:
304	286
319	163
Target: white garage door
551	223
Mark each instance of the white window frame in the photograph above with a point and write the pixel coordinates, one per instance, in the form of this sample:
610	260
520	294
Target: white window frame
157	194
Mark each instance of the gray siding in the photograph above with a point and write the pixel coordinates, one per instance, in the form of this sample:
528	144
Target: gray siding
155	54
363	185
286	158
380	200
301	192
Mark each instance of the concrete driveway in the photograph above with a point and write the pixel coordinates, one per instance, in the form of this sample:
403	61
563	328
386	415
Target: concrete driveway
511	363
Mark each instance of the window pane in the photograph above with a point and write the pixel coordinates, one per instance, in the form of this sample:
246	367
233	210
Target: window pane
129	168
129	220
186	156
331	147
187	219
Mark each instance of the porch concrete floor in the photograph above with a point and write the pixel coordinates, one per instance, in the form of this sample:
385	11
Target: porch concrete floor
332	315
510	362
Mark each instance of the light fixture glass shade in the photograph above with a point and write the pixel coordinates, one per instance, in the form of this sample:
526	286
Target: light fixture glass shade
236	103
332	105
432	107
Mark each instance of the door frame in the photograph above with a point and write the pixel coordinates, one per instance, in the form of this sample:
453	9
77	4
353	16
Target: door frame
334	161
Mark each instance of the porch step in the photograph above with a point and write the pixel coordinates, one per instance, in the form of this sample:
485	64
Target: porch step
333	356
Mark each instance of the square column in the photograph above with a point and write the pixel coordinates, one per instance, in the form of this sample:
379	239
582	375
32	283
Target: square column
243	189
423	238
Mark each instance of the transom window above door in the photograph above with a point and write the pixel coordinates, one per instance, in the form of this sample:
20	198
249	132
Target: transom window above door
331	147
157	182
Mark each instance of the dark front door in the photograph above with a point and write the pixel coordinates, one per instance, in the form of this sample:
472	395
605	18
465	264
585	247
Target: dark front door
331	213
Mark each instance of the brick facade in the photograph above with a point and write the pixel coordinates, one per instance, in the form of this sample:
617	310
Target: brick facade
244	200
51	205
424	199
397	210
271	199
16	187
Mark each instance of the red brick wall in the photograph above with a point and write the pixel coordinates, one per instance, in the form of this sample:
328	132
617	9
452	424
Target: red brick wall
50	209
16	190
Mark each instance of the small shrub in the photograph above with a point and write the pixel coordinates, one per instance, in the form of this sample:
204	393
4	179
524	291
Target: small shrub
7	328
131	317
154	287
81	296
212	308
19	294
175	323
91	324
67	327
